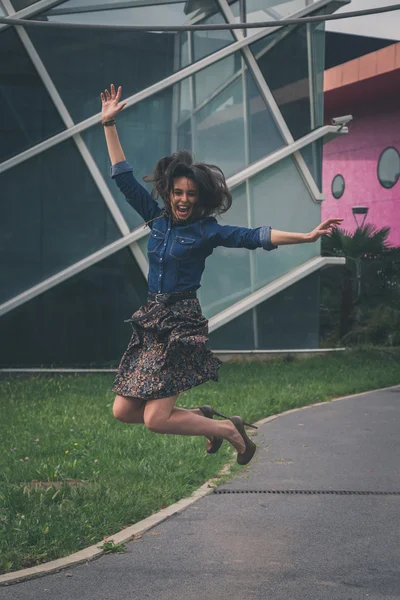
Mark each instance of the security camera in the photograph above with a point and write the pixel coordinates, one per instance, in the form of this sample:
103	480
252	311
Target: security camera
342	120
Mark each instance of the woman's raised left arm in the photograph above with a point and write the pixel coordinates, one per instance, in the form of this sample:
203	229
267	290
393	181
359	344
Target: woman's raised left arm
281	238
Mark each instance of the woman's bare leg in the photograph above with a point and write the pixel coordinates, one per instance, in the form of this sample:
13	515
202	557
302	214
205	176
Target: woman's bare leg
130	410
160	416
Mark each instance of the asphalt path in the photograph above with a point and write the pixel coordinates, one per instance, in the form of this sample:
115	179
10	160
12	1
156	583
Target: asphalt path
254	543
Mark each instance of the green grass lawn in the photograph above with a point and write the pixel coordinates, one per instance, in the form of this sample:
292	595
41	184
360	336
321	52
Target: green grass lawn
60	428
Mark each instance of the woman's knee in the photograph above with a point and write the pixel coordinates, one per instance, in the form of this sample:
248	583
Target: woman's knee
155	421
157	412
127	410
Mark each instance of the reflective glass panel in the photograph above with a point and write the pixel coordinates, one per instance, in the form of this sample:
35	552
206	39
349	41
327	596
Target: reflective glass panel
213	77
312	154
290	82
219	130
280	198
290	319
184	50
268	10
235	8
235	335
52	215
264	136
185	136
78	323
207	42
389	168
226	278
287	321
185	100
27	114
20	4
83	62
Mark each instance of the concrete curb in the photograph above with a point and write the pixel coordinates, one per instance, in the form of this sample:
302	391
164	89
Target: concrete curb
131	532
121	537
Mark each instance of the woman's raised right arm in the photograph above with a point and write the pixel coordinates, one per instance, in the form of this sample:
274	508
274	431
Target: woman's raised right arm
121	170
110	107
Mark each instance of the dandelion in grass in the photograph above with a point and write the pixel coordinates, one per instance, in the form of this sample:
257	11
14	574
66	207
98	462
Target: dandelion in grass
67	452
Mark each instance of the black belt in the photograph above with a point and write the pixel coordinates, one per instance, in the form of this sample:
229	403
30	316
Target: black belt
164	299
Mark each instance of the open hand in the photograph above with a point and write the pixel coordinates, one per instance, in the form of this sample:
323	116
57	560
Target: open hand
325	228
110	102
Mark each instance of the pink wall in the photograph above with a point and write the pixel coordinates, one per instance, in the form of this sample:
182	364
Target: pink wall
355	156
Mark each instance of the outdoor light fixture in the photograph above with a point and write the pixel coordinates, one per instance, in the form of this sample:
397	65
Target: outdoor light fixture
360	210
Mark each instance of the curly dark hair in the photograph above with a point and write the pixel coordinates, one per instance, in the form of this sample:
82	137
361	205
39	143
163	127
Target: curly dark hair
214	196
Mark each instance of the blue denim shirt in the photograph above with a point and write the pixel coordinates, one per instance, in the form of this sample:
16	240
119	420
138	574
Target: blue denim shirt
177	251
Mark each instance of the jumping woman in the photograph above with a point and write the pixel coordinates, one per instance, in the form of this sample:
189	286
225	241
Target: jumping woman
168	350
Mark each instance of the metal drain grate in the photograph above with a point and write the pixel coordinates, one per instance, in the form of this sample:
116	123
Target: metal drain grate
308	492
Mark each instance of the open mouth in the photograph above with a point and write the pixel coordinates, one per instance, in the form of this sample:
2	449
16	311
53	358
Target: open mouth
182	211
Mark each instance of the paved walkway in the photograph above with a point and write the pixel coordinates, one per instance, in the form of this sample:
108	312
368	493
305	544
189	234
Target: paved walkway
241	546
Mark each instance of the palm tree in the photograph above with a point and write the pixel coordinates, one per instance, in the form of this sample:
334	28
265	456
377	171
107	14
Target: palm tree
366	277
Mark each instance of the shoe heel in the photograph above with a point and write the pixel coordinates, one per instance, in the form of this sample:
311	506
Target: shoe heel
219	414
216	442
249	425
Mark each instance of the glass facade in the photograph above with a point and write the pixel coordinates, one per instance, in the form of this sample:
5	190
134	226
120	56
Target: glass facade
288	320
59	206
78	322
290	82
52	216
27	114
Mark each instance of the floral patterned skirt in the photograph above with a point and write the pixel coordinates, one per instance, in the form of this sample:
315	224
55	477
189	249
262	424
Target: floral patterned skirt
167	353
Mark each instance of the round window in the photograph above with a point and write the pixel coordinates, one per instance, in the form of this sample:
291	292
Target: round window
389	168
338	187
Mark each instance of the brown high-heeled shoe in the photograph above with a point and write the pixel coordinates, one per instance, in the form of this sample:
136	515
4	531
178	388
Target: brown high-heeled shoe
245	457
216	442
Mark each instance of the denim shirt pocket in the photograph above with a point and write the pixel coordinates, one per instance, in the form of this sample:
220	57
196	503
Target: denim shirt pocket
156	239
182	247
